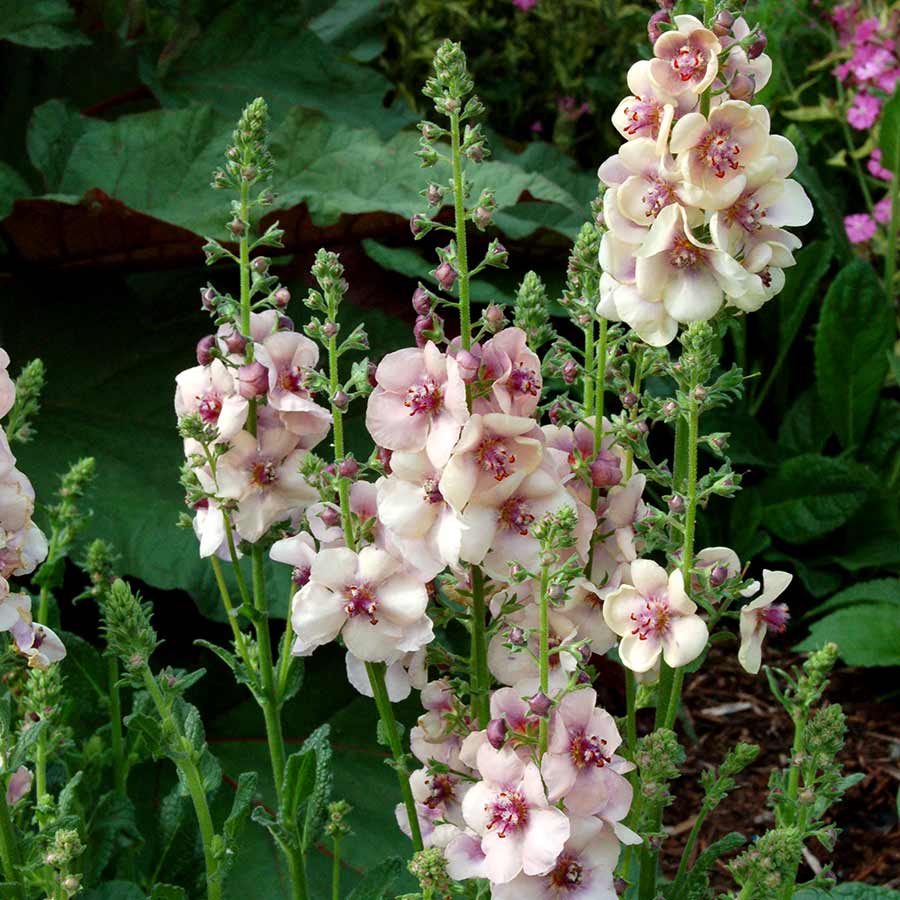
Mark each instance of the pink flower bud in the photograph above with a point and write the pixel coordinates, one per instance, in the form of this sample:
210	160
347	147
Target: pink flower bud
482	217
469	362
384	457
204	346
718	576
417	224
19	785
676	504
330	329
253	380
260	265
540	704
496	733
653	26
722	23
516	636
234	341
348	467
428	328
285	323
282	297
421	301
554	413
629	401
570	371
446	275
605	469
434	195
330	517
236	227
757	48
341	400
208	298
300	575
742	87
494	316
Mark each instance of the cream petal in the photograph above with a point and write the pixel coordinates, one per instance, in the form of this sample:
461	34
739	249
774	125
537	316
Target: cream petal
685	640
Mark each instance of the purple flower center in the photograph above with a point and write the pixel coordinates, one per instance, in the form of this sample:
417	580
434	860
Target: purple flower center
643	115
493	456
524	381
426	397
514	515
443	790
684	255
263	473
689	62
588	750
508	813
720	151
657	196
291	379
567	874
209	407
300	575
361	601
775	616
432	490
653	619
747	213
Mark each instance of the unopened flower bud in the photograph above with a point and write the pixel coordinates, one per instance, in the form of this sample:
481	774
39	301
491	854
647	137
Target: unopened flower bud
285	323
208	298
434	195
417	224
570	371
494	317
421	301
554	413
204	348
718	576
665	4
476	152
71	884
482	216
384	457
370	375
260	265
676	504
341	400
253	380
642	427
757	48
670	407
428	328
606	470
629	401
540	704
446	275
237	227
556	593
248	173
496	733
653	26
499	253
330	516
516	636
586	653
348	468
722	23
282	297
469	363
234	341
699	393
330	329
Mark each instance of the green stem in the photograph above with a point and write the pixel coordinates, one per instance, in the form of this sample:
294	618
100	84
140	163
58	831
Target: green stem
120	761
481	676
545	650
589	366
689	846
890	259
851	150
631	718
336	871
9	846
462	256
386	711
240	640
188	767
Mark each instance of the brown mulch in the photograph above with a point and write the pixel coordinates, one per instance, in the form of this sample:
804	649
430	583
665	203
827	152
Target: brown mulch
726	705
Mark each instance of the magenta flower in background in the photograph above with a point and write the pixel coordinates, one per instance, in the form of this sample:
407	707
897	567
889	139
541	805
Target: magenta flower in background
864	111
525	5
883	210
876	168
859	227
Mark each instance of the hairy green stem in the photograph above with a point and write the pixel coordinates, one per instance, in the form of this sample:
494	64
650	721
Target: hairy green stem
392	732
545	650
336	870
240	640
188	768
120	759
9	846
481	676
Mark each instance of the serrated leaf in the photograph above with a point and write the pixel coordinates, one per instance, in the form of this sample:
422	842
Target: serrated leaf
376	882
25	744
805	428
856	329
696	879
112	827
148	728
811	495
319	797
867	634
299	780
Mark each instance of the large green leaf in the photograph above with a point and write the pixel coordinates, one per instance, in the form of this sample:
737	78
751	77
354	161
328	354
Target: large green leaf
849	891
880	590
805	427
811	495
867	634
855	331
39	23
242	54
12	186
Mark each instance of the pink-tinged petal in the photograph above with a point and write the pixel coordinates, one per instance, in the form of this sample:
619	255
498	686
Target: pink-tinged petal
375	565
775	583
335	568
479	525
784	152
403	599
559	775
458	480
639	655
577	709
502	856
416	636
397	681
531	787
317	616
753	632
619	794
398	370
613	171
687	131
648	577
546	835
465	858
390	424
475	806
621	608
695	298
358	675
685	640
522	887
403	507
19	784
626	835
501	767
678	598
371	641
442	437
650	319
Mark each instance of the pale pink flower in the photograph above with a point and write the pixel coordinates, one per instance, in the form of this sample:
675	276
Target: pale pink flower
210	529
509	810
723	564
583	871
21	550
40	645
419	403
577	766
288	356
211	393
624	508
737	63
400	677
860	228
494	454
653	617
324	520
864	110
525	5
16	501
440	702
465	857
760	616
7	385
15	611
583	607
365	597
513	372
417	521
714	154
298	552
19	785
262	475
648	112
686	58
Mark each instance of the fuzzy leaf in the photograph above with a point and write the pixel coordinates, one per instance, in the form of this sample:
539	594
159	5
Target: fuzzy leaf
12	186
848	891
237	818
867	634
39	23
321	790
881	590
855	331
805	427
696	881
376	882
112	827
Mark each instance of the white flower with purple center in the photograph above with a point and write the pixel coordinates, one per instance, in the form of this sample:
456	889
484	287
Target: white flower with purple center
761	616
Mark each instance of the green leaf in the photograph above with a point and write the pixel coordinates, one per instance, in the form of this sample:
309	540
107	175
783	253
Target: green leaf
352	26
115	890
12	186
168	892
240	54
802	284
696	879
805	427
810	495
112	828
848	891
149	728
316	805
39	23
826	205
889	133
856	329
237	818
880	590
867	634
377	881
25	743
